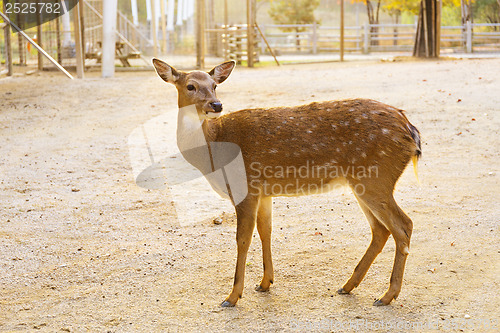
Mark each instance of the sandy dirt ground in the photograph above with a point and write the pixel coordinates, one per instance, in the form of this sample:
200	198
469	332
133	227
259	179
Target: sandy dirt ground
84	249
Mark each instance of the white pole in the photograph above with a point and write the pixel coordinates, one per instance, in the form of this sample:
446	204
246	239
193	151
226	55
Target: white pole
148	10
135	15
109	12
66	22
157	8
180	8
185	12
170	15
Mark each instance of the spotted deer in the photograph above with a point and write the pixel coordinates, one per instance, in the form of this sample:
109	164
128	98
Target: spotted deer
291	151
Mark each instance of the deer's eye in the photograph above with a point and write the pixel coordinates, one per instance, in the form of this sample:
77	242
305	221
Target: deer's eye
190	87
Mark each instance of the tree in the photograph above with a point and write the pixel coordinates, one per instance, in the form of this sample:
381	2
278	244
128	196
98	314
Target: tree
487	10
396	7
429	20
294	12
373	14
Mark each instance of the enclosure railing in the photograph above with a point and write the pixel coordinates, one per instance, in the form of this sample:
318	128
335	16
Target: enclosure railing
314	38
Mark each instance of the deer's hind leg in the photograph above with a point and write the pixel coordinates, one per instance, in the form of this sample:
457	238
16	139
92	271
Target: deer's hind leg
384	208
380	234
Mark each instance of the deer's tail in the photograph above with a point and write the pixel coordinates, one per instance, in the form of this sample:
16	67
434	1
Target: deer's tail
415	134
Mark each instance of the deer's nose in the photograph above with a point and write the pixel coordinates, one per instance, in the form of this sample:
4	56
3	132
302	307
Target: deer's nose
217	106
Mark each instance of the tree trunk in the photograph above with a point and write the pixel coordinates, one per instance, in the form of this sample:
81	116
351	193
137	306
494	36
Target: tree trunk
426	40
395	30
373	19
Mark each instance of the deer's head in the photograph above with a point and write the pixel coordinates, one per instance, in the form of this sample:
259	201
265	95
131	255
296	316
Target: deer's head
196	88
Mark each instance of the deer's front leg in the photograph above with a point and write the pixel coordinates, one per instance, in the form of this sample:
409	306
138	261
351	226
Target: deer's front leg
246	213
264	226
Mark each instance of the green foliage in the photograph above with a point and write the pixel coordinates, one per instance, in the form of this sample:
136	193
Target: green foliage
293	12
398	6
486	11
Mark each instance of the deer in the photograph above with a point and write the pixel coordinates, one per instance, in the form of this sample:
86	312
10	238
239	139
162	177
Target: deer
326	141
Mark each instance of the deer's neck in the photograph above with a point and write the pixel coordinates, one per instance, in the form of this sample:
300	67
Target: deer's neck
193	132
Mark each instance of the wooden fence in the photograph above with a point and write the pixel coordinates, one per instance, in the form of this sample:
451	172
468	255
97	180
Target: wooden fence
313	38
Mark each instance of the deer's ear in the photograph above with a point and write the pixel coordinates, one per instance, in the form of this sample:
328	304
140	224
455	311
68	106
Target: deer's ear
165	71
221	72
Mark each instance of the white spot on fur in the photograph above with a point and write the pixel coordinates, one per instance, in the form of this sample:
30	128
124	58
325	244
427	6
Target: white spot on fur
363	154
364	115
385	131
338	150
273	150
309	132
334	126
372	136
357	120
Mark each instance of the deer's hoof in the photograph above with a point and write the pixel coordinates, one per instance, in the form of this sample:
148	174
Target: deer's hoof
341	291
227	304
379	303
261	289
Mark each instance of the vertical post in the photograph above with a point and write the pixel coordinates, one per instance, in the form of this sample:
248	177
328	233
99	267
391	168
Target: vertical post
200	34
226	31
58	40
163	27
78	42
109	12
366	42
468	36
314	38
8	46
82	29
341	30
20	44
250	33
39	31
66	23
438	28
153	27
